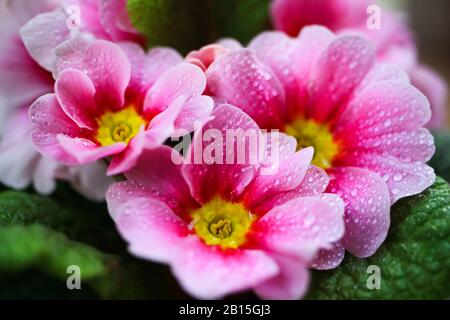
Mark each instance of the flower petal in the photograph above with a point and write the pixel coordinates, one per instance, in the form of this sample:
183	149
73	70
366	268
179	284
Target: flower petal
183	79
341	67
314	183
42	34
226	172
289	175
76	95
44	175
90	17
403	178
241	79
328	259
204	57
279	148
435	88
85	151
302	226
367	208
48	121
195	110
279	52
290	283
116	22
209	273
292	16
16	145
125	160
150	227
24	10
417	145
163	125
146	68
157	174
383	72
91	181
22	80
230	43
70	53
385	107
105	64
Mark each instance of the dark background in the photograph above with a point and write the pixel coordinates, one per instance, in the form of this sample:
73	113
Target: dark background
430	19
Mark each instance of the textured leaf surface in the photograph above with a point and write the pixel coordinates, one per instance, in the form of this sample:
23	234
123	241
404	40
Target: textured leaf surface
66	211
414	261
40	248
41	237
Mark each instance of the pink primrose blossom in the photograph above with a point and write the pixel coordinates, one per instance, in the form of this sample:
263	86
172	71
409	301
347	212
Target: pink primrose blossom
363	118
226	228
22	80
394	40
114	101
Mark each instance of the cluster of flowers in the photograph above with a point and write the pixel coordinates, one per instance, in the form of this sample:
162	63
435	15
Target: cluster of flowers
352	139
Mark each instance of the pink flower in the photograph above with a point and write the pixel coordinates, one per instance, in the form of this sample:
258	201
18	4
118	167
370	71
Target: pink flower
225	228
204	57
394	41
364	120
102	19
435	88
22	80
16	65
291	16
103	106
21	164
16	145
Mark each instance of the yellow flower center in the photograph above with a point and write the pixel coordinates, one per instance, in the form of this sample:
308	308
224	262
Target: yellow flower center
312	134
221	229
120	126
222	223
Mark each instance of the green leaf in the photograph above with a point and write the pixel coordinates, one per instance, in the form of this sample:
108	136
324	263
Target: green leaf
414	261
190	24
40	237
66	211
23	208
240	19
176	23
441	160
40	248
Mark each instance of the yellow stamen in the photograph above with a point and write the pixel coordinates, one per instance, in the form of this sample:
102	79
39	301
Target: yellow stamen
120	126
312	134
222	223
221	229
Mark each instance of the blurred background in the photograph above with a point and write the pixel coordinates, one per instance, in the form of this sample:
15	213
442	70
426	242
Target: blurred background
431	22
